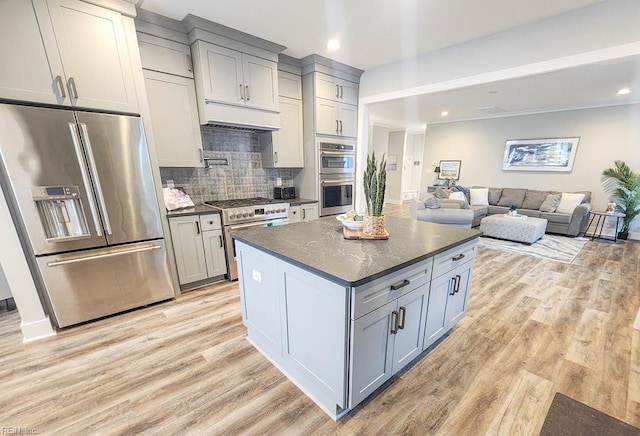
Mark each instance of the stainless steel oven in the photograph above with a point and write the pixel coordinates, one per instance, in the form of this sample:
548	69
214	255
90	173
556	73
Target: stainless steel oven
336	157
336	194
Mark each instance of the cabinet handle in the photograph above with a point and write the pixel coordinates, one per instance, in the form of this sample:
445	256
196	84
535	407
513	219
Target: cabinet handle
304	214
341	89
201	155
453	286
394	329
220	238
458	257
189	63
275	154
241	92
197	227
60	86
457	283
337	91
341	127
337	129
403	312
404	283
247	92
73	91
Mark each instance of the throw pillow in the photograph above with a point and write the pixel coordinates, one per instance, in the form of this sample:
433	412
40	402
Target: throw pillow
442	193
568	202
494	196
533	199
512	197
430	201
479	196
587	196
550	204
458	196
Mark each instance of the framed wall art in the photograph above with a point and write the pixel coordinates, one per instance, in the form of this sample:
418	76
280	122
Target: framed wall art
555	154
449	169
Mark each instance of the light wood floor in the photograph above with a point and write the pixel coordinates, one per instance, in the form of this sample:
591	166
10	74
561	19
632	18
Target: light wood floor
533	328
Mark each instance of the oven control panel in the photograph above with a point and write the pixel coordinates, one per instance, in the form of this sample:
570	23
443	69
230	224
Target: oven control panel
257	213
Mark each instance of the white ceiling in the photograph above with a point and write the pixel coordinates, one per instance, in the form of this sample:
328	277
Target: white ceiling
372	32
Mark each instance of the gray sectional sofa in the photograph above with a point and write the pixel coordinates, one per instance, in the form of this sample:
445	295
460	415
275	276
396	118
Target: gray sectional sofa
527	201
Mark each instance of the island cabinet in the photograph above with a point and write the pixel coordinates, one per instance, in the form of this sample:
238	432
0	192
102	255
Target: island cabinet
66	52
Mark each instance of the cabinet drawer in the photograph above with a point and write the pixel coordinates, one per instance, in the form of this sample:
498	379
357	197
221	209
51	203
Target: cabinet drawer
450	259
369	297
210	222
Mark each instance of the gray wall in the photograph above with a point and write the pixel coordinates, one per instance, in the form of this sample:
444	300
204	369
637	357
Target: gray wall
394	178
244	177
606	134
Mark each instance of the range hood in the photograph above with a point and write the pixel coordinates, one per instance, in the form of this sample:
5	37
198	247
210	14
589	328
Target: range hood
224	115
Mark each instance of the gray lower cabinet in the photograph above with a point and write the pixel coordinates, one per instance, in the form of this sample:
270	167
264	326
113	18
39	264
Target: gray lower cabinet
198	247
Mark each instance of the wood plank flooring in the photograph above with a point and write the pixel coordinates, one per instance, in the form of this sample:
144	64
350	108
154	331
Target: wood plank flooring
534	327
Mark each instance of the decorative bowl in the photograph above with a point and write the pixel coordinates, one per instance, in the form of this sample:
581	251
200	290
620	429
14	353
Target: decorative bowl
350	224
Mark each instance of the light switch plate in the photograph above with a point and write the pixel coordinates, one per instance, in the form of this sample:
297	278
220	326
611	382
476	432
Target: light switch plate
256	276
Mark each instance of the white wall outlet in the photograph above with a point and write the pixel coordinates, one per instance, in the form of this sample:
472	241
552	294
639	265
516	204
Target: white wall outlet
256	276
170	183
279	181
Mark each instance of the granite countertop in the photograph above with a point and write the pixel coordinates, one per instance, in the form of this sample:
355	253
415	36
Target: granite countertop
200	209
319	246
299	201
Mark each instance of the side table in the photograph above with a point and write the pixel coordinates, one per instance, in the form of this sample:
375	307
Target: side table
601	218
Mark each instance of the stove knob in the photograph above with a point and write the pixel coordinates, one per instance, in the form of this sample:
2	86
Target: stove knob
282	209
268	211
251	213
232	216
245	214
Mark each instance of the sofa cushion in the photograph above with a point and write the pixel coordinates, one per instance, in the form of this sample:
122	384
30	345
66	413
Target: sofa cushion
442	193
447	216
430	201
448	202
479	211
479	196
550	204
587	196
457	196
494	195
492	210
529	212
552	217
568	202
533	199
512	197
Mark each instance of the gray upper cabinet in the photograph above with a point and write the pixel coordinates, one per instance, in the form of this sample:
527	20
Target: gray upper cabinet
336	89
78	55
165	56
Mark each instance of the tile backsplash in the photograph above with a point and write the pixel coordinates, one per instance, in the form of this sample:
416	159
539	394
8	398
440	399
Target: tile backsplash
243	177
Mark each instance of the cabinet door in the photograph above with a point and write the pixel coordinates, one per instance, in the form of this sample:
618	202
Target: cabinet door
326	117
348	118
165	56
31	68
94	51
222	73
371	352
436	323
289	85
348	92
309	212
188	248
287	142
412	311
174	118
260	83
214	253
326	87
294	214
457	305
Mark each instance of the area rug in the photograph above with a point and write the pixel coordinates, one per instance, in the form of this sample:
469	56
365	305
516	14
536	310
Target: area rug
567	416
551	247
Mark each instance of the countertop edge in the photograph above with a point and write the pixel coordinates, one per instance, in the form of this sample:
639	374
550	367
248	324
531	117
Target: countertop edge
360	282
197	210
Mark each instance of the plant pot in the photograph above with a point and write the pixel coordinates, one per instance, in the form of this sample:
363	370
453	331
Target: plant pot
374	225
623	235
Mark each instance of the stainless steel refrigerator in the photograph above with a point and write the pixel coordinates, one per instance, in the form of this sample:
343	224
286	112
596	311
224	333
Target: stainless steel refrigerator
81	191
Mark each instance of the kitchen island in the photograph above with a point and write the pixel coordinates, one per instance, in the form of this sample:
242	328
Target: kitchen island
339	317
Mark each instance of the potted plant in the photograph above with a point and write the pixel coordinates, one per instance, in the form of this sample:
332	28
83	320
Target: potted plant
513	210
623	185
375	181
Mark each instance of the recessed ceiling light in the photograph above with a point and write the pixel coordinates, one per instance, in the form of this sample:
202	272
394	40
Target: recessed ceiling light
444	113
624	91
333	45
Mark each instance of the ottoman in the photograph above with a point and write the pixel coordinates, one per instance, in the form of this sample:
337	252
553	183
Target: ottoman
527	230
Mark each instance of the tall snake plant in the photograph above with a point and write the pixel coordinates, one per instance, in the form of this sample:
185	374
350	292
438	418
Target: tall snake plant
375	181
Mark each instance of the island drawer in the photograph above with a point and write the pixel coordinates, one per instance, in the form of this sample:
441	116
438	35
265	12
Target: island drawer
210	221
450	259
375	294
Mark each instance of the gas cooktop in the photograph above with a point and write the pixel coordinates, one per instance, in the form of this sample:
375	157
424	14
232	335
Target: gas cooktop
250	210
241	202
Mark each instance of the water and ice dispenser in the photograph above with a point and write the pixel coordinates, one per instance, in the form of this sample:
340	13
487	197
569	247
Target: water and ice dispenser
61	212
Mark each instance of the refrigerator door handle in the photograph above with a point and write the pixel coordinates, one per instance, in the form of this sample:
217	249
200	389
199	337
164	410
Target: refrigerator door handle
96	178
85	178
103	255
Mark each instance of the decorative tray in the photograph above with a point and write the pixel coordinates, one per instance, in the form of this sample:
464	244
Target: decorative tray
359	234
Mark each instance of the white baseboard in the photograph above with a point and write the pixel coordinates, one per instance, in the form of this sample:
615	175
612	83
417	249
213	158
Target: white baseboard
392	201
634	236
36	330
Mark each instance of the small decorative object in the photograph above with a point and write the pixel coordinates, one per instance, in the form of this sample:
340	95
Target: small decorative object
450	170
351	220
436	170
513	211
611	206
375	180
623	185
556	154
